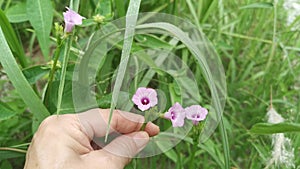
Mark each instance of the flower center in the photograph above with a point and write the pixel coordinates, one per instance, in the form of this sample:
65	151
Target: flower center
173	115
197	116
145	101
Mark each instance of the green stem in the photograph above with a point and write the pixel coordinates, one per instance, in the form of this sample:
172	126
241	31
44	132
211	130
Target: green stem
274	42
225	144
12	149
52	71
63	73
194	147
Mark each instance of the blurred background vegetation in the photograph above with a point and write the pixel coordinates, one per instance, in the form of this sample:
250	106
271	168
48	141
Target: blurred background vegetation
258	48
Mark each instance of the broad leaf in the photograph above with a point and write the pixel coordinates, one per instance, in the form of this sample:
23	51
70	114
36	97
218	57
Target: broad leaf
33	74
5	112
17	13
40	14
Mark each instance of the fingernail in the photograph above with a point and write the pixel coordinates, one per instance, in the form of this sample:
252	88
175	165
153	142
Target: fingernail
153	126
141	139
152	129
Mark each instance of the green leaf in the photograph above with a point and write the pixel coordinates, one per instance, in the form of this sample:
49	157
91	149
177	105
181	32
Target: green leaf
105	101
74	5
5	164
258	5
17	13
33	74
171	154
19	81
104	7
12	39
174	91
268	128
5	112
131	19
61	86
40	14
152	42
88	22
120	7
67	105
10	154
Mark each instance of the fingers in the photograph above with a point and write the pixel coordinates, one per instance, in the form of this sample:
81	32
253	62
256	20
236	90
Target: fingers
121	149
152	129
95	122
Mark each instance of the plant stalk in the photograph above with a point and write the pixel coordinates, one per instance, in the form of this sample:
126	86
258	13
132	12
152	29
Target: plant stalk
63	73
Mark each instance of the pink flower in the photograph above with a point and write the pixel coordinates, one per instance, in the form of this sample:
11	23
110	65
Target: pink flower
145	98
196	113
71	19
176	114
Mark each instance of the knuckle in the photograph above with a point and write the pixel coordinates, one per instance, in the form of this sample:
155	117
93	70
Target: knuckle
47	121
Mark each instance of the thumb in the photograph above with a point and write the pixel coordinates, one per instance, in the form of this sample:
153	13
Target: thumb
128	145
123	148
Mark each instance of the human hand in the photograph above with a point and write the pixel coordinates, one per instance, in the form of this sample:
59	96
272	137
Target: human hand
64	141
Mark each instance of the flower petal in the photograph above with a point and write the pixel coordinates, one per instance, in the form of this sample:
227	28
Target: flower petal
179	121
71	19
143	107
196	113
176	114
145	93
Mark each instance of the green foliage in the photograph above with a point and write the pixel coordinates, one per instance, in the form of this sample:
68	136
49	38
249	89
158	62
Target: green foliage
17	13
257	48
267	128
6	112
133	10
258	5
20	83
40	14
12	39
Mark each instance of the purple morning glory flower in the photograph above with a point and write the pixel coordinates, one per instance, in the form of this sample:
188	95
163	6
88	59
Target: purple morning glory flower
145	98
71	19
196	113
176	114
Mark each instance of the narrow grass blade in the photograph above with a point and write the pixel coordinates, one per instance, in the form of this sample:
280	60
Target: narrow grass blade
12	40
19	81
267	128
193	12
274	39
63	73
40	14
213	5
225	144
131	19
74	5
258	5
